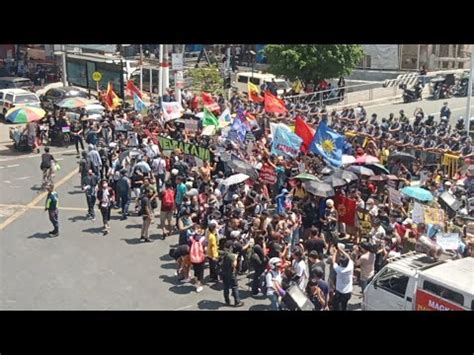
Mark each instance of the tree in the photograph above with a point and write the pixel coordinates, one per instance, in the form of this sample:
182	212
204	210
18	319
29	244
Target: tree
206	79
313	61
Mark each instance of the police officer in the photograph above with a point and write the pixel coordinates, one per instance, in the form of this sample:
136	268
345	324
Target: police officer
445	111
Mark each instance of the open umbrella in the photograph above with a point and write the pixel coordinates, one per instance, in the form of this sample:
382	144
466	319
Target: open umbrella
417	193
73	102
317	188
235	179
306	176
406	157
377	168
348	159
378	178
240	166
24	114
367	159
334	181
361	170
346	175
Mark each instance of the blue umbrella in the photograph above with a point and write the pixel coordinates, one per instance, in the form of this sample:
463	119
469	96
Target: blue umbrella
417	193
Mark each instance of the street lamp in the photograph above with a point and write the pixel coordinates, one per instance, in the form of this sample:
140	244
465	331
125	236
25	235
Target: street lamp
469	92
254	59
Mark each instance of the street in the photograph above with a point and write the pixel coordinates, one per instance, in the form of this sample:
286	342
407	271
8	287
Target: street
84	270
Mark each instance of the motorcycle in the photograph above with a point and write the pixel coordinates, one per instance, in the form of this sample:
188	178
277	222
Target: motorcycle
411	95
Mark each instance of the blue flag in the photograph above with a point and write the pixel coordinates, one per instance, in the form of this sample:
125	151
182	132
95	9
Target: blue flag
138	104
238	130
328	144
286	143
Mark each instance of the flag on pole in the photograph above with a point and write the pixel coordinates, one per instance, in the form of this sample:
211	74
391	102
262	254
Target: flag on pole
209	119
209	103
274	104
225	116
133	90
346	209
328	144
111	99
305	132
254	93
172	110
138	104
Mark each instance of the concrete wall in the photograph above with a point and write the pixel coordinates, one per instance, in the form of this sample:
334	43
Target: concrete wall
383	56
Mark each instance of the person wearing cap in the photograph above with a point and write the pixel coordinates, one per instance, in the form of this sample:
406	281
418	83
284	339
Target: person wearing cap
212	250
273	280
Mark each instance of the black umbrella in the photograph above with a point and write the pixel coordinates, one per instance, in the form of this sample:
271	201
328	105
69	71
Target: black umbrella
378	169
346	175
240	166
402	156
334	181
317	188
361	170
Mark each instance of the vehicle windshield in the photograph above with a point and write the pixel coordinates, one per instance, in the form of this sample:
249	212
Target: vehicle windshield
23	83
76	93
282	85
26	99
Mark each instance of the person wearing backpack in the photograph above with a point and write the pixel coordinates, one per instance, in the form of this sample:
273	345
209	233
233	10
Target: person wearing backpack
167	207
229	274
198	258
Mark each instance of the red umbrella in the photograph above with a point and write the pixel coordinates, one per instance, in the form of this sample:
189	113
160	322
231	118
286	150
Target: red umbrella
367	159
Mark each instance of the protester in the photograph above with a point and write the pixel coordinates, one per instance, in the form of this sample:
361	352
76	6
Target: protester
52	207
105	197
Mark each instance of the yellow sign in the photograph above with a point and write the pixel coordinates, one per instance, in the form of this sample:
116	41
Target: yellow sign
96	76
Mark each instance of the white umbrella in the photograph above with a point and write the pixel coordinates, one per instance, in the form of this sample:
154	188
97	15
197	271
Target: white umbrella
235	179
348	159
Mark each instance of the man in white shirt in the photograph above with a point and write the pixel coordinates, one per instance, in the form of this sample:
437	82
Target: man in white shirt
301	269
344	268
377	233
159	169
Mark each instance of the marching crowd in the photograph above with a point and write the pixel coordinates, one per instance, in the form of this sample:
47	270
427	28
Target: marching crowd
283	234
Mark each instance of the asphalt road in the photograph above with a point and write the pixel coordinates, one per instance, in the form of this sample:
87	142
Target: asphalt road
82	269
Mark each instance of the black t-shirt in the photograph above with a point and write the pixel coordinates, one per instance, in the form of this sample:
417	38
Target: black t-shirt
46	160
315	244
134	181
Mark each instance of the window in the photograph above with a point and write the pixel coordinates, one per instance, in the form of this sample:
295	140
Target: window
393	282
1	95
243	79
26	99
23	83
255	81
9	97
53	93
444	292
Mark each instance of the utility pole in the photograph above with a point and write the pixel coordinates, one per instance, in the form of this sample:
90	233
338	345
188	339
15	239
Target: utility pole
141	68
64	65
160	76
469	92
166	68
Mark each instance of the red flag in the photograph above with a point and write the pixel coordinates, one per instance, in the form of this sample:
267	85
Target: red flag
305	132
209	102
346	208
194	102
133	89
274	104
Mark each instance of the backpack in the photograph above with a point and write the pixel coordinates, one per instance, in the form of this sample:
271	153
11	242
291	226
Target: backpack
196	252
168	198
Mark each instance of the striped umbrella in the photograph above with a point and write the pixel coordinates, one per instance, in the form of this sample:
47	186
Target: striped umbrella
74	102
24	114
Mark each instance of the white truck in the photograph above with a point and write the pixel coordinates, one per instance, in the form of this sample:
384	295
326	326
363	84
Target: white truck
416	281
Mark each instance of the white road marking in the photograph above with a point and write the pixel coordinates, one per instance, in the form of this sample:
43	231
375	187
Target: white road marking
183	308
23	178
13	165
7	181
36	155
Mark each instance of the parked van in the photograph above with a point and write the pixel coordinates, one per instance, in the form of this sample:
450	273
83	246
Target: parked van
10	98
417	281
257	78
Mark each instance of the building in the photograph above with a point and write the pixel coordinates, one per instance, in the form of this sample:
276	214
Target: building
412	56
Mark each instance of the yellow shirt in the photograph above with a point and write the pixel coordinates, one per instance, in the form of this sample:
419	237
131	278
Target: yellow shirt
212	251
300	192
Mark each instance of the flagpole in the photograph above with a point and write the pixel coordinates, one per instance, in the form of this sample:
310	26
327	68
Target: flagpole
160	76
166	68
141	68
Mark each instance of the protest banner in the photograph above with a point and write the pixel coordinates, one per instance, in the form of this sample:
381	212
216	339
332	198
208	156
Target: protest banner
417	214
286	143
395	196
268	174
172	110
448	241
433	216
187	148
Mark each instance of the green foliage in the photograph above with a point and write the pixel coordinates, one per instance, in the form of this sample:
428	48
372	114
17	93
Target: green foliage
206	79
313	61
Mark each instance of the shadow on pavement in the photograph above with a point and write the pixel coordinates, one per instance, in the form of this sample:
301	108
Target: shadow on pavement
35	188
259	307
94	230
134	241
169	266
166	257
210	305
218	286
39	236
171	280
182	289
69	154
75	192
78	218
354	306
133	226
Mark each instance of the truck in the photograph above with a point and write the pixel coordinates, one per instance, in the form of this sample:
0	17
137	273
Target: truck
418	282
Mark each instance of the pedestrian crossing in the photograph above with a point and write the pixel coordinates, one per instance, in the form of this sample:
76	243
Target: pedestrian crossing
408	79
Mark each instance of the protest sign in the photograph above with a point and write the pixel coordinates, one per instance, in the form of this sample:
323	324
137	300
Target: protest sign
395	196
448	241
268	174
286	143
187	148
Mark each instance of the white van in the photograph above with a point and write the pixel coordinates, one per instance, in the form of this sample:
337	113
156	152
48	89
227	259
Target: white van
257	78
416	281
10	98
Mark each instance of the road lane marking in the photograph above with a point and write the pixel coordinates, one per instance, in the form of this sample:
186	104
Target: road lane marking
81	209
23	178
183	308
37	199
13	165
36	155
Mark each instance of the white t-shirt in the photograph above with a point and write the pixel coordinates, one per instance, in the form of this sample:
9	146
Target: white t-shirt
269	278
302	271
377	234
367	263
344	277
